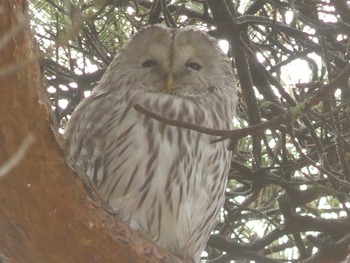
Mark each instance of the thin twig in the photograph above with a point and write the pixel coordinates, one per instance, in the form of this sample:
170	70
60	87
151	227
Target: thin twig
12	68
17	157
287	117
22	21
181	124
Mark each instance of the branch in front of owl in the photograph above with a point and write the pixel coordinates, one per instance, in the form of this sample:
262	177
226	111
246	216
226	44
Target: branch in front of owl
223	134
181	124
278	122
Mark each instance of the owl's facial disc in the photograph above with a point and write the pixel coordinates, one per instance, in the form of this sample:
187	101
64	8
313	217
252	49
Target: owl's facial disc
181	62
177	77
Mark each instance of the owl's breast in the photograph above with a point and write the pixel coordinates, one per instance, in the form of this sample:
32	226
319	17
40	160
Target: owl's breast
161	177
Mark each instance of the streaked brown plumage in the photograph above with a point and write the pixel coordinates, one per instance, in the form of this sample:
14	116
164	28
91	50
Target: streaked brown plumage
166	182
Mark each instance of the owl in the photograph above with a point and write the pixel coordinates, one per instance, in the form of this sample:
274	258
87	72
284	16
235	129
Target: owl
166	182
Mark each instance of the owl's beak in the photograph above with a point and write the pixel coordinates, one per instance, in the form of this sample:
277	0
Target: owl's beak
170	82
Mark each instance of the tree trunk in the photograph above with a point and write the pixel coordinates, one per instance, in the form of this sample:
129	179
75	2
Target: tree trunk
47	212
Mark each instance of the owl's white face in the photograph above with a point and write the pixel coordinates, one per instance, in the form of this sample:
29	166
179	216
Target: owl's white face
183	62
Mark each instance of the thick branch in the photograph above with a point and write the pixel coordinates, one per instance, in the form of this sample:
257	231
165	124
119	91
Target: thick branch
46	213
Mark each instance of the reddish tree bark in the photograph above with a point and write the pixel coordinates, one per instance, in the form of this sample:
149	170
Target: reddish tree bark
47	213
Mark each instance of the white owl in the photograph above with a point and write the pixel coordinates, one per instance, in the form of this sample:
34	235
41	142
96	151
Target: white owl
166	182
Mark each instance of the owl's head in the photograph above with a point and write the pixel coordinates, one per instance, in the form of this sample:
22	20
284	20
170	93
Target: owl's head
184	62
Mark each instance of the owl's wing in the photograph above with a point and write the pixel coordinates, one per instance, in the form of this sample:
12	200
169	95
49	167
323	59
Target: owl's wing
84	134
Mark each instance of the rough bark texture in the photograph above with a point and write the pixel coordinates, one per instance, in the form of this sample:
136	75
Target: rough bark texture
47	214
